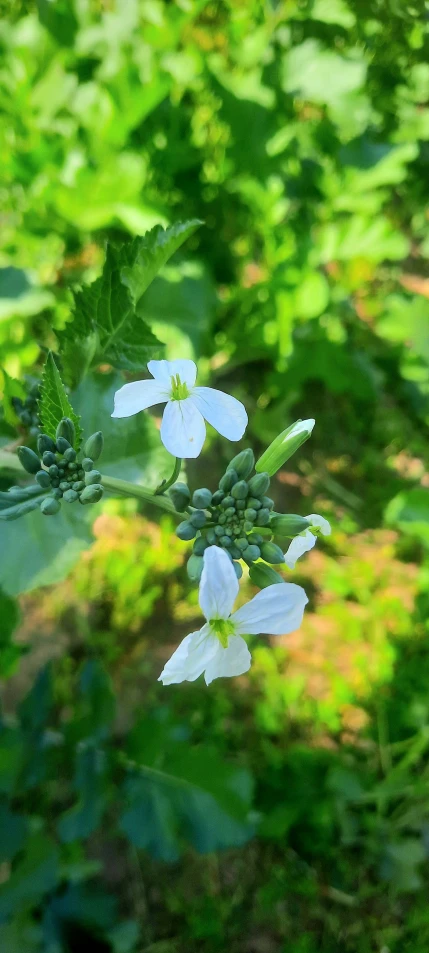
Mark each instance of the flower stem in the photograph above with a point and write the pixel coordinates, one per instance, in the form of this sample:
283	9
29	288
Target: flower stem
124	488
172	479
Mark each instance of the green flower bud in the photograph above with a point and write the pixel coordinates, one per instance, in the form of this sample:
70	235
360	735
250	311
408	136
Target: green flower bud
180	496
75	466
251	553
228	480
49	459
262	575
263	517
53	470
230	512
227	502
185	530
222	519
70	496
78	486
271	553
63	445
240	505
61	472
241	543
91	494
219	531
57	494
198	519
70	455
202	498
29	460
288	524
247	526
255	539
240	490
194	567
55	481
284	446
217	497
45	443
66	429
50	506
200	546
254	503
243	463
267	502
94	445
238	570
64	485
211	536
43	479
87	464
225	541
250	514
93	476
259	484
235	551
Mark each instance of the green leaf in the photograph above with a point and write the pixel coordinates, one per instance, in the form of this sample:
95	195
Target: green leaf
10	653
34	876
410	512
13	506
19	297
144	257
14	828
54	403
11	388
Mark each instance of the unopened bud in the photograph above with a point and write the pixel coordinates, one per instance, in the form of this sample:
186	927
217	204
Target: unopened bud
198	519
49	459
180	496
259	484
185	530
251	553
243	463
29	460
91	494
288	524
87	464
284	446
228	480
66	429
262	575
50	506
272	553
63	445
202	498
92	476
194	567
45	443
43	479
94	445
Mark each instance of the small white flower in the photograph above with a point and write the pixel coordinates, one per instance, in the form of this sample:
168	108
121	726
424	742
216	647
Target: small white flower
183	429
218	649
303	543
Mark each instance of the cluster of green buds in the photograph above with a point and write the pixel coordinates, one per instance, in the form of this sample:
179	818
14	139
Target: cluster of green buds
238	517
57	468
26	410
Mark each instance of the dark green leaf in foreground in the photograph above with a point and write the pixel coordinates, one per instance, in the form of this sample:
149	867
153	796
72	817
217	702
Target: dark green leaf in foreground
54	403
18	501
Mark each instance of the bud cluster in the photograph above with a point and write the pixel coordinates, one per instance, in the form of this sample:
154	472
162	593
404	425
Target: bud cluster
27	411
57	468
235	517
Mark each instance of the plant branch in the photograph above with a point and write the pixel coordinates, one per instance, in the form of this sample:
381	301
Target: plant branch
172	479
142	493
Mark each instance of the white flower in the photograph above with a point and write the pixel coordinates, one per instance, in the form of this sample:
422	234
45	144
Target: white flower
303	543
183	429
218	649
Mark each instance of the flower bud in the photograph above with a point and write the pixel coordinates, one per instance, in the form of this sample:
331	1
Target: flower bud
284	446
202	498
288	524
198	519
200	546
194	567
180	496
70	496
50	506
66	429
49	459
259	484
272	553
87	463
91	494
63	445
240	490
262	575
263	517
238	570
217	498
251	553
185	530
93	476
225	541
70	455
29	460
43	479
94	445
228	480
250	514
243	463
45	443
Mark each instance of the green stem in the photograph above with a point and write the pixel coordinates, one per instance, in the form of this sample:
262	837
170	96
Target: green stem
124	488
166	483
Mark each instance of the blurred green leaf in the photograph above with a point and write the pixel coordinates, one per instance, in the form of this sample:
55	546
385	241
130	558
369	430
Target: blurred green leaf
34	875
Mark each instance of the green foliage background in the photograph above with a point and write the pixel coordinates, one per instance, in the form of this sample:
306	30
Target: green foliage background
287	811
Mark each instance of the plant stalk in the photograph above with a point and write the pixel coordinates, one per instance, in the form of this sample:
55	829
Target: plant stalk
142	493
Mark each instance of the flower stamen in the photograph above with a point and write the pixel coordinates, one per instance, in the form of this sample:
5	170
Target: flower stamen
222	628
179	390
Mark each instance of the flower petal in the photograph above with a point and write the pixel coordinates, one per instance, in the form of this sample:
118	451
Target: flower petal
163	371
320	522
276	610
219	584
183	430
191	657
226	414
234	660
131	398
300	545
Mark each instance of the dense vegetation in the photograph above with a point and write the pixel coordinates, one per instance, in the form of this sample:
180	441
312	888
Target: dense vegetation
286	810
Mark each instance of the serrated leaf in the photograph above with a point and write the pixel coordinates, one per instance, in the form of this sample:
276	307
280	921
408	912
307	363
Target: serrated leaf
15	510
54	403
144	256
107	325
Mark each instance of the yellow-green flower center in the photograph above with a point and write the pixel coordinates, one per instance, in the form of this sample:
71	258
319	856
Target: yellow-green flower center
223	628
179	391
